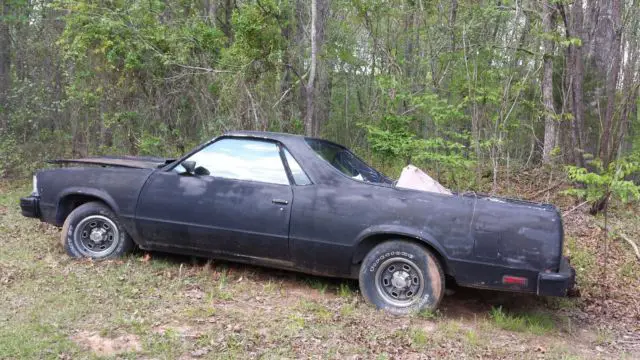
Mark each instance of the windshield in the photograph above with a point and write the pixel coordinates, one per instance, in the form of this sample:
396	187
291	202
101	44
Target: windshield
346	162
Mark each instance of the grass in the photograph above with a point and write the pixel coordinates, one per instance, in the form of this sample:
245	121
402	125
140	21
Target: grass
319	284
583	259
419	338
321	312
536	323
630	269
345	291
428	314
177	305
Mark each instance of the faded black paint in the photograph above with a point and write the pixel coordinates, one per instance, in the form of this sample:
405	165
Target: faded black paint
479	238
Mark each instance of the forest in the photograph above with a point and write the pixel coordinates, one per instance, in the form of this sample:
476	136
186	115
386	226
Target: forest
534	99
464	88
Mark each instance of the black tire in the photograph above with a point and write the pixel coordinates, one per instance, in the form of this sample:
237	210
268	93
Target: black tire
93	231
401	277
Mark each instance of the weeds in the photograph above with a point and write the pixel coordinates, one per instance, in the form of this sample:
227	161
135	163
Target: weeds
320	311
419	338
344	290
428	314
318	284
536	323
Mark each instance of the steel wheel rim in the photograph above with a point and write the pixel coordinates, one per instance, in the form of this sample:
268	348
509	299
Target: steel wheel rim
96	236
399	282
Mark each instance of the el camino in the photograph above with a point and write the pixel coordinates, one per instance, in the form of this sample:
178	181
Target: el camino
309	205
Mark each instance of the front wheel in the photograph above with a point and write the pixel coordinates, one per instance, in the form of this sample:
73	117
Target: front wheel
92	230
401	277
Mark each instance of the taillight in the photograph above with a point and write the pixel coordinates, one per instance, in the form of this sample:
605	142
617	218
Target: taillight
514	280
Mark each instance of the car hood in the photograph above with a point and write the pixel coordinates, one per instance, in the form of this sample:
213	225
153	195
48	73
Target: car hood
137	162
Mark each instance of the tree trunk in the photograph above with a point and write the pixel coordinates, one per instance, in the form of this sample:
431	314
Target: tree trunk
227	27
630	91
323	84
548	24
452	24
612	80
286	84
210	8
577	77
309	126
5	66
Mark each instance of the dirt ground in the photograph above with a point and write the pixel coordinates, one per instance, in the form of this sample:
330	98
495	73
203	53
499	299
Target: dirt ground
158	306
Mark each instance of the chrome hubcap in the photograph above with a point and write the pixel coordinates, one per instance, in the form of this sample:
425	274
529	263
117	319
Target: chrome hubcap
96	236
400	279
400	282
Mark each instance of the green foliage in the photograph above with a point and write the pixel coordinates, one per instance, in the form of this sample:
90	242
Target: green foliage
397	137
156	77
603	183
150	145
257	37
9	156
392	138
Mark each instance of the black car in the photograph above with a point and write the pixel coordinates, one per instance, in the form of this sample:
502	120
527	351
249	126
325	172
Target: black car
309	205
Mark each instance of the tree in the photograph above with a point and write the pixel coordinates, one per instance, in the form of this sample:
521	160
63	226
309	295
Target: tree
502	86
548	24
612	80
5	65
316	38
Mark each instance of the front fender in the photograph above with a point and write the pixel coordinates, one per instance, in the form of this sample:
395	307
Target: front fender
87	191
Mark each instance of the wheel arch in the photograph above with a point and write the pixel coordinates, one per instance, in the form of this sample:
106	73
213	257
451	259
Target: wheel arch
71	198
369	239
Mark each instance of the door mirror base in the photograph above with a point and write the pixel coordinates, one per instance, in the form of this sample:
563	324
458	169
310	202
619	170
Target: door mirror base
189	166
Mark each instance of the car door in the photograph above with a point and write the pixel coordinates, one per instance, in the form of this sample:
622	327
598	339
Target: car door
237	201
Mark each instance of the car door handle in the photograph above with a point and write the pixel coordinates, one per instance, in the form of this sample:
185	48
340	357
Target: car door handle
280	201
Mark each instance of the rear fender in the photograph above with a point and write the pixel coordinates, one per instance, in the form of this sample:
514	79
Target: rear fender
379	232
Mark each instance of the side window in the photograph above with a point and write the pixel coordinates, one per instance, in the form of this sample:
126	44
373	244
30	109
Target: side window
346	162
242	159
298	174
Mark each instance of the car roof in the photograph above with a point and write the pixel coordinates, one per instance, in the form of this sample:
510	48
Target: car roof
282	137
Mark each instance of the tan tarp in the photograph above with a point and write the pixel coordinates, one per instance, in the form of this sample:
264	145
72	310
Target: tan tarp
416	179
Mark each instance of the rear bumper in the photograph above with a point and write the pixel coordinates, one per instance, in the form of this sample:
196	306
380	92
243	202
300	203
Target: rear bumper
557	284
30	206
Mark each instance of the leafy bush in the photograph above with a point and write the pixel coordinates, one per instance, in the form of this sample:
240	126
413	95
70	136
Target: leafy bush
601	184
9	156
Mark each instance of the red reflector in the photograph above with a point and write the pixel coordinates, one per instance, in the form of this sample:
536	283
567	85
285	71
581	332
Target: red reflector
514	280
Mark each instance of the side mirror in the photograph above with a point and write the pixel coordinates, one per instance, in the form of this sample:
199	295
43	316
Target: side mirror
200	171
189	166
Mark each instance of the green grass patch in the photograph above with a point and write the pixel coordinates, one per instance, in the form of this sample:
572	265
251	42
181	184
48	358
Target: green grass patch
345	291
419	338
536	323
319	284
320	311
428	314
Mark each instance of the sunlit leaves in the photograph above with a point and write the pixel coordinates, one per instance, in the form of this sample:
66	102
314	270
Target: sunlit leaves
600	182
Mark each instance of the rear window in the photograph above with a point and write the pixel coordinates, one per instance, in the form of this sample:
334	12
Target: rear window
346	162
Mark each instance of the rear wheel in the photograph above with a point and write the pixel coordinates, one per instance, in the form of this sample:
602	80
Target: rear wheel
92	230
401	277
